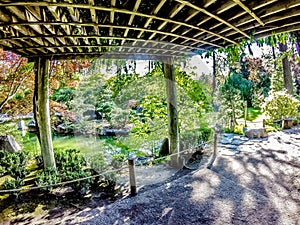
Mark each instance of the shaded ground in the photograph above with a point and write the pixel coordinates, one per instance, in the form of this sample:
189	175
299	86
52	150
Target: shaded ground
257	187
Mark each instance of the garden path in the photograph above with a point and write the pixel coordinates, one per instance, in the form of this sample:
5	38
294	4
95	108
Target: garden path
258	184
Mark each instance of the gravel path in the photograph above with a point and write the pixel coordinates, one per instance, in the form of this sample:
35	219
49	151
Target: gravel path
252	187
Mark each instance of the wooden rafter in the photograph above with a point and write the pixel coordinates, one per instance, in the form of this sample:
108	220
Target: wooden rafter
267	15
212	16
58	27
113	26
135	9
112	9
249	11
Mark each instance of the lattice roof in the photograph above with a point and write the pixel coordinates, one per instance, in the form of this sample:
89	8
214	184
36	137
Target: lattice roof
62	28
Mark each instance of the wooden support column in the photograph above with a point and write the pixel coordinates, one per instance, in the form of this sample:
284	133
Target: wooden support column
42	111
286	66
172	108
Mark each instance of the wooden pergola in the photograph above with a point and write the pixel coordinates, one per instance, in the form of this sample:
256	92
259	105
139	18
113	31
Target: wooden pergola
155	29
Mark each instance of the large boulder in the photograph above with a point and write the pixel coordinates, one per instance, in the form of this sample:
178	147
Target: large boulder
9	143
256	133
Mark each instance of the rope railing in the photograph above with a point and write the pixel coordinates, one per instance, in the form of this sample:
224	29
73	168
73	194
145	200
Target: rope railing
61	183
131	174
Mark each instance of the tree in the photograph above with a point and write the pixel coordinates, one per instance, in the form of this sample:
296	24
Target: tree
15	72
286	66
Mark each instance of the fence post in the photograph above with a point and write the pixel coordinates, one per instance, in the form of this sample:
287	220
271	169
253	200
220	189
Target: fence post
216	131
132	176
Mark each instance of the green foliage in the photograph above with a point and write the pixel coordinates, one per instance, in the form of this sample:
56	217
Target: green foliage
117	83
107	181
119	117
17	171
47	177
117	160
69	159
231	99
205	133
2	171
198	92
63	94
281	105
98	163
154	107
70	166
253	113
13	184
19	96
277	79
239	129
14	164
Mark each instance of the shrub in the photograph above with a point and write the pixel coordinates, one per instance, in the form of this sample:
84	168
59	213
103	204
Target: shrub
281	105
17	171
13	184
13	164
47	177
98	163
117	160
70	165
63	94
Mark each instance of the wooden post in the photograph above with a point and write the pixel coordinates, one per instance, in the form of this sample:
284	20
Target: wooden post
245	113
42	111
172	109
132	177
214	156
287	73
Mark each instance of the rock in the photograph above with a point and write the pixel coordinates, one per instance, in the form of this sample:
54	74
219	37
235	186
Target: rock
61	129
256	133
114	132
237	142
3	117
32	126
164	149
92	114
142	160
227	138
226	141
9	143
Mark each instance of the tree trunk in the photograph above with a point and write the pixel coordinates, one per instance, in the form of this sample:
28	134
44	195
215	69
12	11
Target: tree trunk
172	108
42	111
287	73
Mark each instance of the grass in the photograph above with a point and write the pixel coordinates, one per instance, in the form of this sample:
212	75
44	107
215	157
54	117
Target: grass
253	113
88	145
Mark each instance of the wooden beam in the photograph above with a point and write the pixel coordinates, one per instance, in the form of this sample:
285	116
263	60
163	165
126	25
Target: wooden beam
134	40
135	9
164	48
213	16
112	9
109	55
249	11
154	32
42	112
